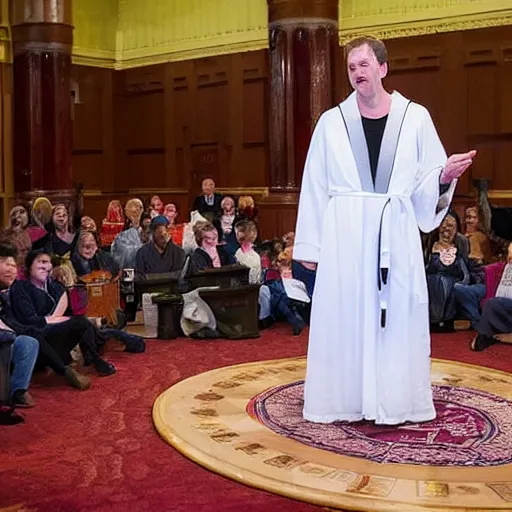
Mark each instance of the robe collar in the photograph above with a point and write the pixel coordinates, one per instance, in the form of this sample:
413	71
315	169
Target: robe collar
354	125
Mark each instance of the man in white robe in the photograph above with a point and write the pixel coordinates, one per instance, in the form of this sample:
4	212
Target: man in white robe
372	177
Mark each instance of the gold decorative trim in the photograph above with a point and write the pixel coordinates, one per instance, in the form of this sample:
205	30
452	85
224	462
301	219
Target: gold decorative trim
244	191
428	26
236	191
499	194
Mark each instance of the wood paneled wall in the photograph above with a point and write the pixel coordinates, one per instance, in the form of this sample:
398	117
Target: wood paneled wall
162	128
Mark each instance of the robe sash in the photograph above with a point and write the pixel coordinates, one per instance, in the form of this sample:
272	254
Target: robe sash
392	205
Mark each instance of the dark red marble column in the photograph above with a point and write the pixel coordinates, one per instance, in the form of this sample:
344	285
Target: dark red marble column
303	52
42	35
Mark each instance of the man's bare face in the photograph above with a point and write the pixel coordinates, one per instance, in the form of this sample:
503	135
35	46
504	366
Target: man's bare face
364	71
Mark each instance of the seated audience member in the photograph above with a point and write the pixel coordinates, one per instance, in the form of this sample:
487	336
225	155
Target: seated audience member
246	234
189	239
17	233
209	254
24	348
133	211
61	237
66	276
446	267
496	315
160	255
208	203
175	229
289	240
225	225
145	232
112	224
479	244
289	298
87	224
42	303
87	257
156	207
42	210
247	209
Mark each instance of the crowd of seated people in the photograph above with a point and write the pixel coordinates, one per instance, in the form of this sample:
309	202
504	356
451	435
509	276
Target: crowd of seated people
46	255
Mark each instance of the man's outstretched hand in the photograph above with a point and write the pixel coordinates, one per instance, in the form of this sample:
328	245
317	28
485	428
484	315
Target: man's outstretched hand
456	165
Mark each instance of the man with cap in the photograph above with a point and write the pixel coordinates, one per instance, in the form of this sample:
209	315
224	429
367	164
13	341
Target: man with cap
160	255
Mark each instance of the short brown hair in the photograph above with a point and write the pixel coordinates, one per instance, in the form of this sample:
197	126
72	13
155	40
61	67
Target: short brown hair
377	46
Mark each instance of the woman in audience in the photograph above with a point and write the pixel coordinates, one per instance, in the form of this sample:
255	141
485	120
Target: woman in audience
175	230
42	210
209	254
87	257
43	303
246	234
448	266
112	224
225	225
156	207
479	244
61	237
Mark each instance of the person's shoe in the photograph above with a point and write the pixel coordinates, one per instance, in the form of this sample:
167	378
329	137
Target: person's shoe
135	345
9	417
265	323
103	367
77	380
22	398
481	342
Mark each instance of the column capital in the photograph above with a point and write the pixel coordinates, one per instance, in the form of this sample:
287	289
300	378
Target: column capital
284	10
41	25
29	12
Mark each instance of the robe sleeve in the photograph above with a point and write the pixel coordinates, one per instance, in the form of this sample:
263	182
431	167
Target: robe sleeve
430	205
313	200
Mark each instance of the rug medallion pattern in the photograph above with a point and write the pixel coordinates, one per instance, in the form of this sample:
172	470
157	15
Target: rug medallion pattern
472	428
245	422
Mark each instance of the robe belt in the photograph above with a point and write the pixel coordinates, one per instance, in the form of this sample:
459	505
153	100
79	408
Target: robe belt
391	201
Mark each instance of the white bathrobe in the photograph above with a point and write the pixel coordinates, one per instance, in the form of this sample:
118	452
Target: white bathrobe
369	348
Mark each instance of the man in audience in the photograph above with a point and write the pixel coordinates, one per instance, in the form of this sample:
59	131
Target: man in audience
160	255
208	204
23	350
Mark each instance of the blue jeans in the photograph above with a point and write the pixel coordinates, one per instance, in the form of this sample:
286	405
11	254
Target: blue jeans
23	358
467	301
264	301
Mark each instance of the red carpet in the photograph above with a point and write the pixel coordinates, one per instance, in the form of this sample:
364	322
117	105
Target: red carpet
98	451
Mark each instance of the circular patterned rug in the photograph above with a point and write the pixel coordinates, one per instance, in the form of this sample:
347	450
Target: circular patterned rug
245	423
472	428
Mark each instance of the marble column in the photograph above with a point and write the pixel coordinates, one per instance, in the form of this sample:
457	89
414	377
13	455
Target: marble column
42	36
304	48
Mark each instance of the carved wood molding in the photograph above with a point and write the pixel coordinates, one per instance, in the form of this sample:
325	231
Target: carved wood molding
426	27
